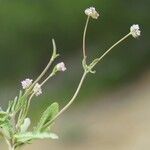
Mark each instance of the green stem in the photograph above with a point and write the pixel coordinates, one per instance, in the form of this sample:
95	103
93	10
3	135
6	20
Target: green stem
51	75
72	99
42	74
10	147
53	57
107	51
24	114
84	36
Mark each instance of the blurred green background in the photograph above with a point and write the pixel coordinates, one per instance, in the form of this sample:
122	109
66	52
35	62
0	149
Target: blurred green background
26	30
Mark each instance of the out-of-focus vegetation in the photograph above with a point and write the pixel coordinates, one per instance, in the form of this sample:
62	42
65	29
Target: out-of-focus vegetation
27	26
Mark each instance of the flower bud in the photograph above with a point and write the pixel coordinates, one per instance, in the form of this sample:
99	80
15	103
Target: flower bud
61	66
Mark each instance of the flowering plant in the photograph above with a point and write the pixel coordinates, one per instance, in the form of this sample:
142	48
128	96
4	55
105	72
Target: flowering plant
14	122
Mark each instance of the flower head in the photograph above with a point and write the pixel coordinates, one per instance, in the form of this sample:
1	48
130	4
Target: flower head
26	83
91	12
61	66
37	89
135	30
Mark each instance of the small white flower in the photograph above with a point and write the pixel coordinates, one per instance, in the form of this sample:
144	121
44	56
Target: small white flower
26	83
91	12
61	66
37	89
135	30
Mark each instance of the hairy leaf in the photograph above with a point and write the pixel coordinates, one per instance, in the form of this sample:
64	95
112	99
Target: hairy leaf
28	136
47	116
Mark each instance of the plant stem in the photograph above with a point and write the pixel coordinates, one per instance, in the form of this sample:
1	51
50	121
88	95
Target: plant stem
84	36
53	57
43	72
72	99
107	51
51	75
10	147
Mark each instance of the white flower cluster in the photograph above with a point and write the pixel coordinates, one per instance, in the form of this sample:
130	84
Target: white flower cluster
37	89
61	66
135	30
26	83
91	12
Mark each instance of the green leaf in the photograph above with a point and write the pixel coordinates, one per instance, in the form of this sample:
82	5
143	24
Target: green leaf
17	104
28	136
6	129
9	106
3	117
47	116
24	127
21	103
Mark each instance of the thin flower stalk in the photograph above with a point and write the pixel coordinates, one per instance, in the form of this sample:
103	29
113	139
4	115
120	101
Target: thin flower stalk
72	99
54	55
50	76
84	37
108	50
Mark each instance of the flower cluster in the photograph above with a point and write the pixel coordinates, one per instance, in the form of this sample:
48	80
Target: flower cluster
91	12
135	30
26	83
37	89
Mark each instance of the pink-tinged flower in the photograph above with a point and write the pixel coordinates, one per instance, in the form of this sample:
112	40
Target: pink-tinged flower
37	89
61	66
91	12
26	83
135	30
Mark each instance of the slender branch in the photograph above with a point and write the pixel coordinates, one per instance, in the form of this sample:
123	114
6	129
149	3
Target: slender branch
72	99
54	55
84	36
107	51
23	112
10	146
51	75
43	72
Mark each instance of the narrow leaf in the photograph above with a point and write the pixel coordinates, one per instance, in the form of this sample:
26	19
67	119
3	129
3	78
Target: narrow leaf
26	137
47	116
